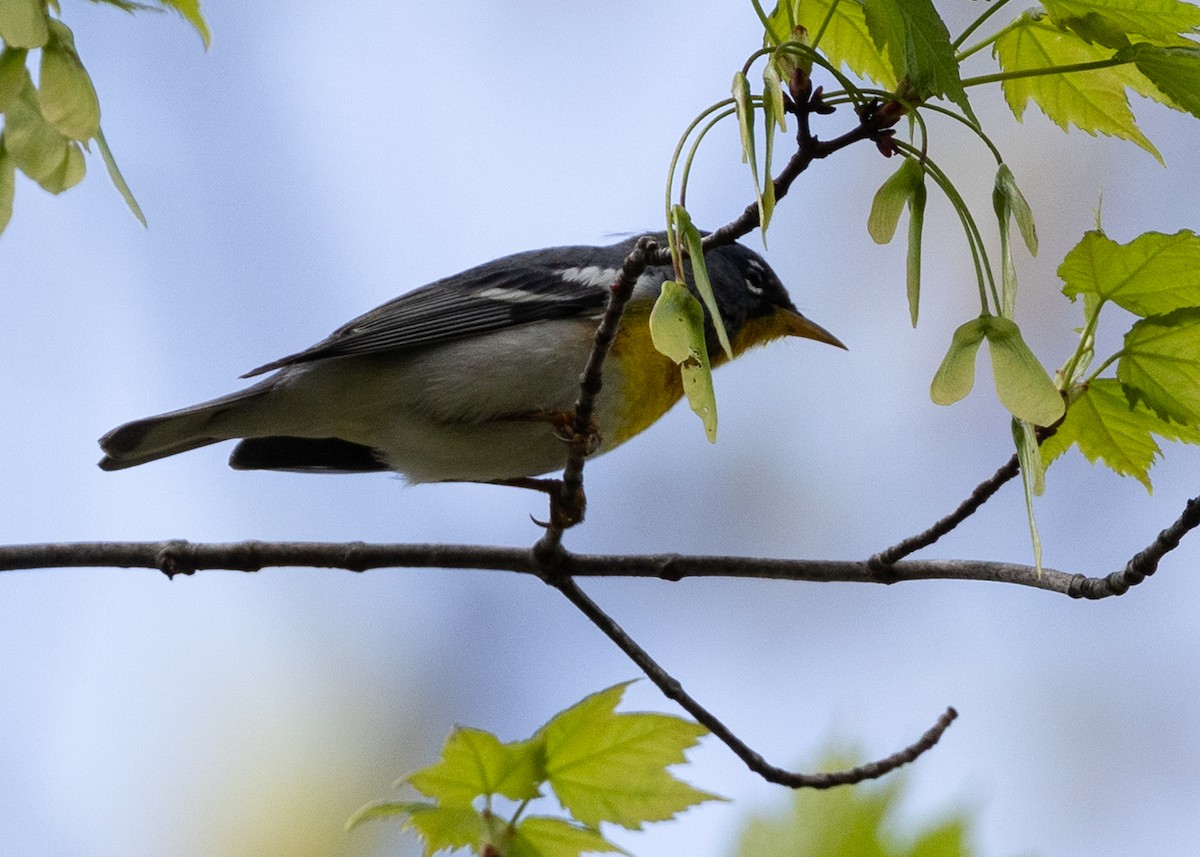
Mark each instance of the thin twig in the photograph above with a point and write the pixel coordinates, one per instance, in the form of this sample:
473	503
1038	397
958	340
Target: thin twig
570	495
809	148
1143	564
673	690
883	561
984	491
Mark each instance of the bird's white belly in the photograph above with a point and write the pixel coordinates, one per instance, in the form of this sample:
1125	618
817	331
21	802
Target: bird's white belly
472	410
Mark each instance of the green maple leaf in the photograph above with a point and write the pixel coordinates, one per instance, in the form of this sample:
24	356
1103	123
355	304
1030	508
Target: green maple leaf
442	828
1107	428
1152	275
543	836
918	46
855	822
1160	365
1174	71
1154	19
475	763
448	828
1093	101
609	767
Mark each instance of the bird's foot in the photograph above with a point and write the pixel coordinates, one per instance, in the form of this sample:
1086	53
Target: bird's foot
567	508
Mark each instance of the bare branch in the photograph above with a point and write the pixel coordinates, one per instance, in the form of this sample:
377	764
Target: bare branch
557	567
182	557
968	507
673	690
566	506
1144	563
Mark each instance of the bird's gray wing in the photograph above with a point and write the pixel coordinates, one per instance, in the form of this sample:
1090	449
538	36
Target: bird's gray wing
497	295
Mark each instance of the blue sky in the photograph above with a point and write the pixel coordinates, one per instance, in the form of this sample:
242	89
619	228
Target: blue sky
318	161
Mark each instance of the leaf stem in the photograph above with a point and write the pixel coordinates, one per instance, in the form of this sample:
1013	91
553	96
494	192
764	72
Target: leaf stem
762	17
983	267
512	822
1086	342
824	24
975	25
999	77
673	166
687	163
1110	360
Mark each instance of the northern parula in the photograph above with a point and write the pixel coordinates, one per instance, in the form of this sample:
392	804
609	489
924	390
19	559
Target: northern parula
470	378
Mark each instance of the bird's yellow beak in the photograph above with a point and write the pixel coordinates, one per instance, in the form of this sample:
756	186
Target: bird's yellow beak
797	325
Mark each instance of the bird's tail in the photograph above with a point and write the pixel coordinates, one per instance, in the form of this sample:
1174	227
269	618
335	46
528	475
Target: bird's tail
157	437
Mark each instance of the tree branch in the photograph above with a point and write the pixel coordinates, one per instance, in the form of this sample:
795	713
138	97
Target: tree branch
558	567
178	556
673	690
882	561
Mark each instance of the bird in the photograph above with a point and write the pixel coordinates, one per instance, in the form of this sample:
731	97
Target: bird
471	378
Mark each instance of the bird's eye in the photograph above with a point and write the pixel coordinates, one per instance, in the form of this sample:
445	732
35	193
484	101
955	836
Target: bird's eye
753	278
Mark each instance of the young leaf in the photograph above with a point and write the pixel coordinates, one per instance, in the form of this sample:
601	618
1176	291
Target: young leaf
608	767
68	173
7	186
1094	101
695	249
918	46
1033	481
891	198
118	180
1154	19
745	117
1029	457
475	763
956	375
12	75
1022	384
190	11
916	223
23	23
542	836
386	809
447	828
1160	365
36	146
1174	70
65	92
773	113
1016	206
1105	427
677	330
1009	203
773	95
1153	274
